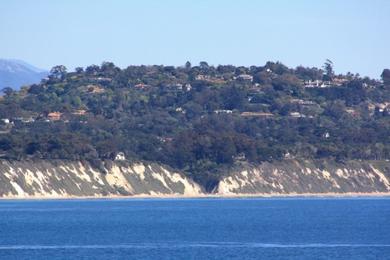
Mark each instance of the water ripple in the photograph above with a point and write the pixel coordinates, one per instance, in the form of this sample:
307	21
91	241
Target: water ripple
174	245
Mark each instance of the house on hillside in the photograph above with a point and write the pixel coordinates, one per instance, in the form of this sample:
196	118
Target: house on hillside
103	79
245	77
187	87
302	102
223	111
95	89
257	114
54	116
180	110
27	120
317	84
79	112
352	111
120	156
215	80
326	135
165	139
296	114
202	77
6	121
141	86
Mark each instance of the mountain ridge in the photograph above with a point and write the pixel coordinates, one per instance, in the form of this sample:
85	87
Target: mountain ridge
15	73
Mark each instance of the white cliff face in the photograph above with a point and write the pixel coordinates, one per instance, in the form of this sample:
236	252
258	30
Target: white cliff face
62	179
301	177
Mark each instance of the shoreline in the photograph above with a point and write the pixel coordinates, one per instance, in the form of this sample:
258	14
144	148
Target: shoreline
209	196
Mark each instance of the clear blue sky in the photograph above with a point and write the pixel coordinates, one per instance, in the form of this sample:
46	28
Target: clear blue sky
355	35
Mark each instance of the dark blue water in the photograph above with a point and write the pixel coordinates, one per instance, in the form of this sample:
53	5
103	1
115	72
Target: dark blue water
196	229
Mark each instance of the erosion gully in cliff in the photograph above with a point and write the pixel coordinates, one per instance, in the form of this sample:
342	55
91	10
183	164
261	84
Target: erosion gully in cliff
307	177
64	179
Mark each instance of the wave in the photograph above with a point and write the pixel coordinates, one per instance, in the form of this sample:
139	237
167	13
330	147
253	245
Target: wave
173	245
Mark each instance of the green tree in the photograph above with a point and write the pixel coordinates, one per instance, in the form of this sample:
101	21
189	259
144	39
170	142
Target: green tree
329	73
7	91
79	70
188	65
386	77
58	72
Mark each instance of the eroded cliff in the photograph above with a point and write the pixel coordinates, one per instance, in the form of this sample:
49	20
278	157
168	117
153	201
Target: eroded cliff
63	179
69	179
307	177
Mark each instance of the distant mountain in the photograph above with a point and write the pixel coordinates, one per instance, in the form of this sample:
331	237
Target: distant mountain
16	73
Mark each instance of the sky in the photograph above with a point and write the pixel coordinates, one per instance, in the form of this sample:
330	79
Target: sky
355	35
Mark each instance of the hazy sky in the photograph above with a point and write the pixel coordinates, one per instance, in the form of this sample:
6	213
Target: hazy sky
355	35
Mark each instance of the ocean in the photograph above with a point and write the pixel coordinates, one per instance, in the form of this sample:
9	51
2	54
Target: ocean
248	228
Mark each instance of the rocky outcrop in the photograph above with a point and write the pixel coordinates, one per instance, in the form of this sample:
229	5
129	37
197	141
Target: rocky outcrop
307	177
76	179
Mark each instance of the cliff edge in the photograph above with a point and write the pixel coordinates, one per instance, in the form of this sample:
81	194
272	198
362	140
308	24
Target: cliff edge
66	179
307	177
62	179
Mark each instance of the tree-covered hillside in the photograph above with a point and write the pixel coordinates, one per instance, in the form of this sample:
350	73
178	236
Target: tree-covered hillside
199	119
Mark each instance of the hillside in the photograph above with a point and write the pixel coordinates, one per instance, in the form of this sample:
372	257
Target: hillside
17	73
200	120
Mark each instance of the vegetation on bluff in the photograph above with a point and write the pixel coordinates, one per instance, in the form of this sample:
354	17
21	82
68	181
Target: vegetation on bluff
198	118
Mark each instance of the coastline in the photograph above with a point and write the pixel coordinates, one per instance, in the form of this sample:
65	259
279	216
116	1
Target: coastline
209	196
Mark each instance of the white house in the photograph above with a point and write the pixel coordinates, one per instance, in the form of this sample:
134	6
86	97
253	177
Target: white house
223	111
296	114
5	120
120	157
245	77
